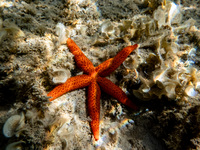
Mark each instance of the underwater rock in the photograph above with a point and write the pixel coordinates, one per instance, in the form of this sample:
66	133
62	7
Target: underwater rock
161	66
118	9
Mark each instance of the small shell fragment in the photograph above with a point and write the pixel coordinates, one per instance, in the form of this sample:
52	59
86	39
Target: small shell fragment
60	75
174	15
62	33
107	28
13	125
159	16
15	146
190	91
129	63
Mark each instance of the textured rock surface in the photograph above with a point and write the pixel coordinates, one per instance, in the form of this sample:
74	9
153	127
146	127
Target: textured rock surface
31	47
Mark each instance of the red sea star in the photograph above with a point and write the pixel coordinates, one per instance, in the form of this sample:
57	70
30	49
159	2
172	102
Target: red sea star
94	78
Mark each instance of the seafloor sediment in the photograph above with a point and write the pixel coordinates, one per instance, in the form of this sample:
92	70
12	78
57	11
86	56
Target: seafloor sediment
162	76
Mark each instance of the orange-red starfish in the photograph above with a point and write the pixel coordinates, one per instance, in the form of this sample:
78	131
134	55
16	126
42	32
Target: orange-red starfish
94	78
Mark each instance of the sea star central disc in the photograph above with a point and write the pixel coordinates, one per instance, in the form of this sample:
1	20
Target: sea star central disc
94	79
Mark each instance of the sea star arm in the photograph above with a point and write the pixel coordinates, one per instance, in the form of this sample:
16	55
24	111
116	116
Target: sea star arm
81	60
94	94
113	90
117	60
70	85
104	65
